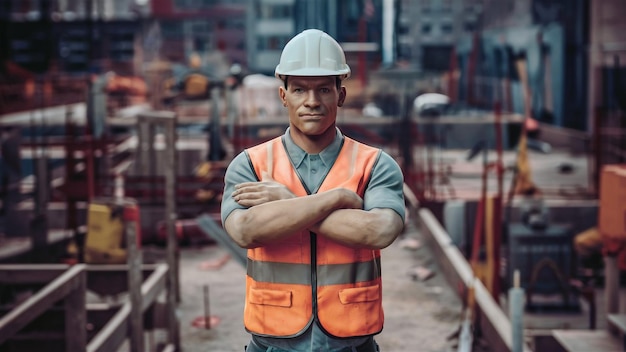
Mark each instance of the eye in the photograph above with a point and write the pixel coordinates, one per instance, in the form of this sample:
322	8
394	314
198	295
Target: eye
325	90
298	90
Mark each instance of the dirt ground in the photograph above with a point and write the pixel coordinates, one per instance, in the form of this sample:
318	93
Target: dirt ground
420	314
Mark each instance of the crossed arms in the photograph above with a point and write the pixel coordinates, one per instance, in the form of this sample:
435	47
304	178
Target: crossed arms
275	213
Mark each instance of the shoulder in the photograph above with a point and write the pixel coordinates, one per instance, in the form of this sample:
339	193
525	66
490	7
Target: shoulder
241	158
240	169
387	163
386	157
386	171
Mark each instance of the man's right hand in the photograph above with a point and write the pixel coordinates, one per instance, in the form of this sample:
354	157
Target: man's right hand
348	199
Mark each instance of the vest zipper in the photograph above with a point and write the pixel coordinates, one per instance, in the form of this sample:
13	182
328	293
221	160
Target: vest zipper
314	272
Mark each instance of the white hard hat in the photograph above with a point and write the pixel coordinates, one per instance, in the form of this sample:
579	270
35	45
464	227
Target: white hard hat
312	53
430	101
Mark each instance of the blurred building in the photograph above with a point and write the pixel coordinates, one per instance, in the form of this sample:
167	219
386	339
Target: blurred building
572	50
427	30
607	70
355	24
536	48
270	24
555	35
70	35
201	26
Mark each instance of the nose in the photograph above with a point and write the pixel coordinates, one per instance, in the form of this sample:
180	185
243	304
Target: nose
312	99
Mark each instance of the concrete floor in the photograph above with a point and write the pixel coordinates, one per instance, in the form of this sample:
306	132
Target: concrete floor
463	177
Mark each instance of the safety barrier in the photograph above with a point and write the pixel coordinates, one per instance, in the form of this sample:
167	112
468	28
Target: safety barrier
87	326
494	324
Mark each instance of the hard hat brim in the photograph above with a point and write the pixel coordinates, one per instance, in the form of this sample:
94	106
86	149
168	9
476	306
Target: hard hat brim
313	72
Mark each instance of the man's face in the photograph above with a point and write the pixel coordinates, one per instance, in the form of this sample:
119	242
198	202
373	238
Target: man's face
312	103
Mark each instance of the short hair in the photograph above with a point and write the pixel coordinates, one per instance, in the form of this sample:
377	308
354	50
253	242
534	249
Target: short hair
337	82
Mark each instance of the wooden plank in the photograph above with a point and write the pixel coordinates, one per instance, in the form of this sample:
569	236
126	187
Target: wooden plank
587	340
134	261
618	321
76	316
71	285
113	334
30	309
169	348
173	287
153	286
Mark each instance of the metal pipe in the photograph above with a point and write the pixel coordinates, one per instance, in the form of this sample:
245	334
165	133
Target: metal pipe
207	309
135	279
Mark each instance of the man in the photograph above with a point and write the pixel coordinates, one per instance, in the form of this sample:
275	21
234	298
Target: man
314	208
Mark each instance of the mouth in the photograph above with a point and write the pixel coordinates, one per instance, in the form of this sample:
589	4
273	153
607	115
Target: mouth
312	116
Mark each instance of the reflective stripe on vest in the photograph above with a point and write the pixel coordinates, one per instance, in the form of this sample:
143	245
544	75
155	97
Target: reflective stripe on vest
299	274
284	294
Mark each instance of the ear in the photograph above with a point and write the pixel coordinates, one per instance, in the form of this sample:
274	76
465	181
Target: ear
281	94
342	96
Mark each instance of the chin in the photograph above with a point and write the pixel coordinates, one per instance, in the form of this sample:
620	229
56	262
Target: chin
314	130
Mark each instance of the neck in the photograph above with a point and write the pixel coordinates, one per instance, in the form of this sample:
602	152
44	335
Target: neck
314	144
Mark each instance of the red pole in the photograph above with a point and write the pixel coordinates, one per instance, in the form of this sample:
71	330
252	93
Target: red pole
480	219
497	206
497	114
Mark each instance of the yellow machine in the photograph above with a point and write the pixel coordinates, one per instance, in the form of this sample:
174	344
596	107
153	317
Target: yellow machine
105	234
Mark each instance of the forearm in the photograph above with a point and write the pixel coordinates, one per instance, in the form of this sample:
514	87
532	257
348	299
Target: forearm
374	229
272	221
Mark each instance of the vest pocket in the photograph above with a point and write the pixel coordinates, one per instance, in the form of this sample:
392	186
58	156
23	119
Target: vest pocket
359	294
270	297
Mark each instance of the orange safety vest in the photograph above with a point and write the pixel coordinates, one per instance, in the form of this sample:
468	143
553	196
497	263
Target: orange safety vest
305	276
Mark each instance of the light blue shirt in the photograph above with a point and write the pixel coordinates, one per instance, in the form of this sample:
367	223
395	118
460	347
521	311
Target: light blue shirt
383	191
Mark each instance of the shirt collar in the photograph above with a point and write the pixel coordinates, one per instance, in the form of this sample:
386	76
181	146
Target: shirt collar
328	155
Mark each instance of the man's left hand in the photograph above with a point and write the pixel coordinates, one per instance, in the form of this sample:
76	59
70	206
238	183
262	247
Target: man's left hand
250	194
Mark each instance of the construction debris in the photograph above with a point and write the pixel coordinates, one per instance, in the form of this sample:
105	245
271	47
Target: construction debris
421	273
